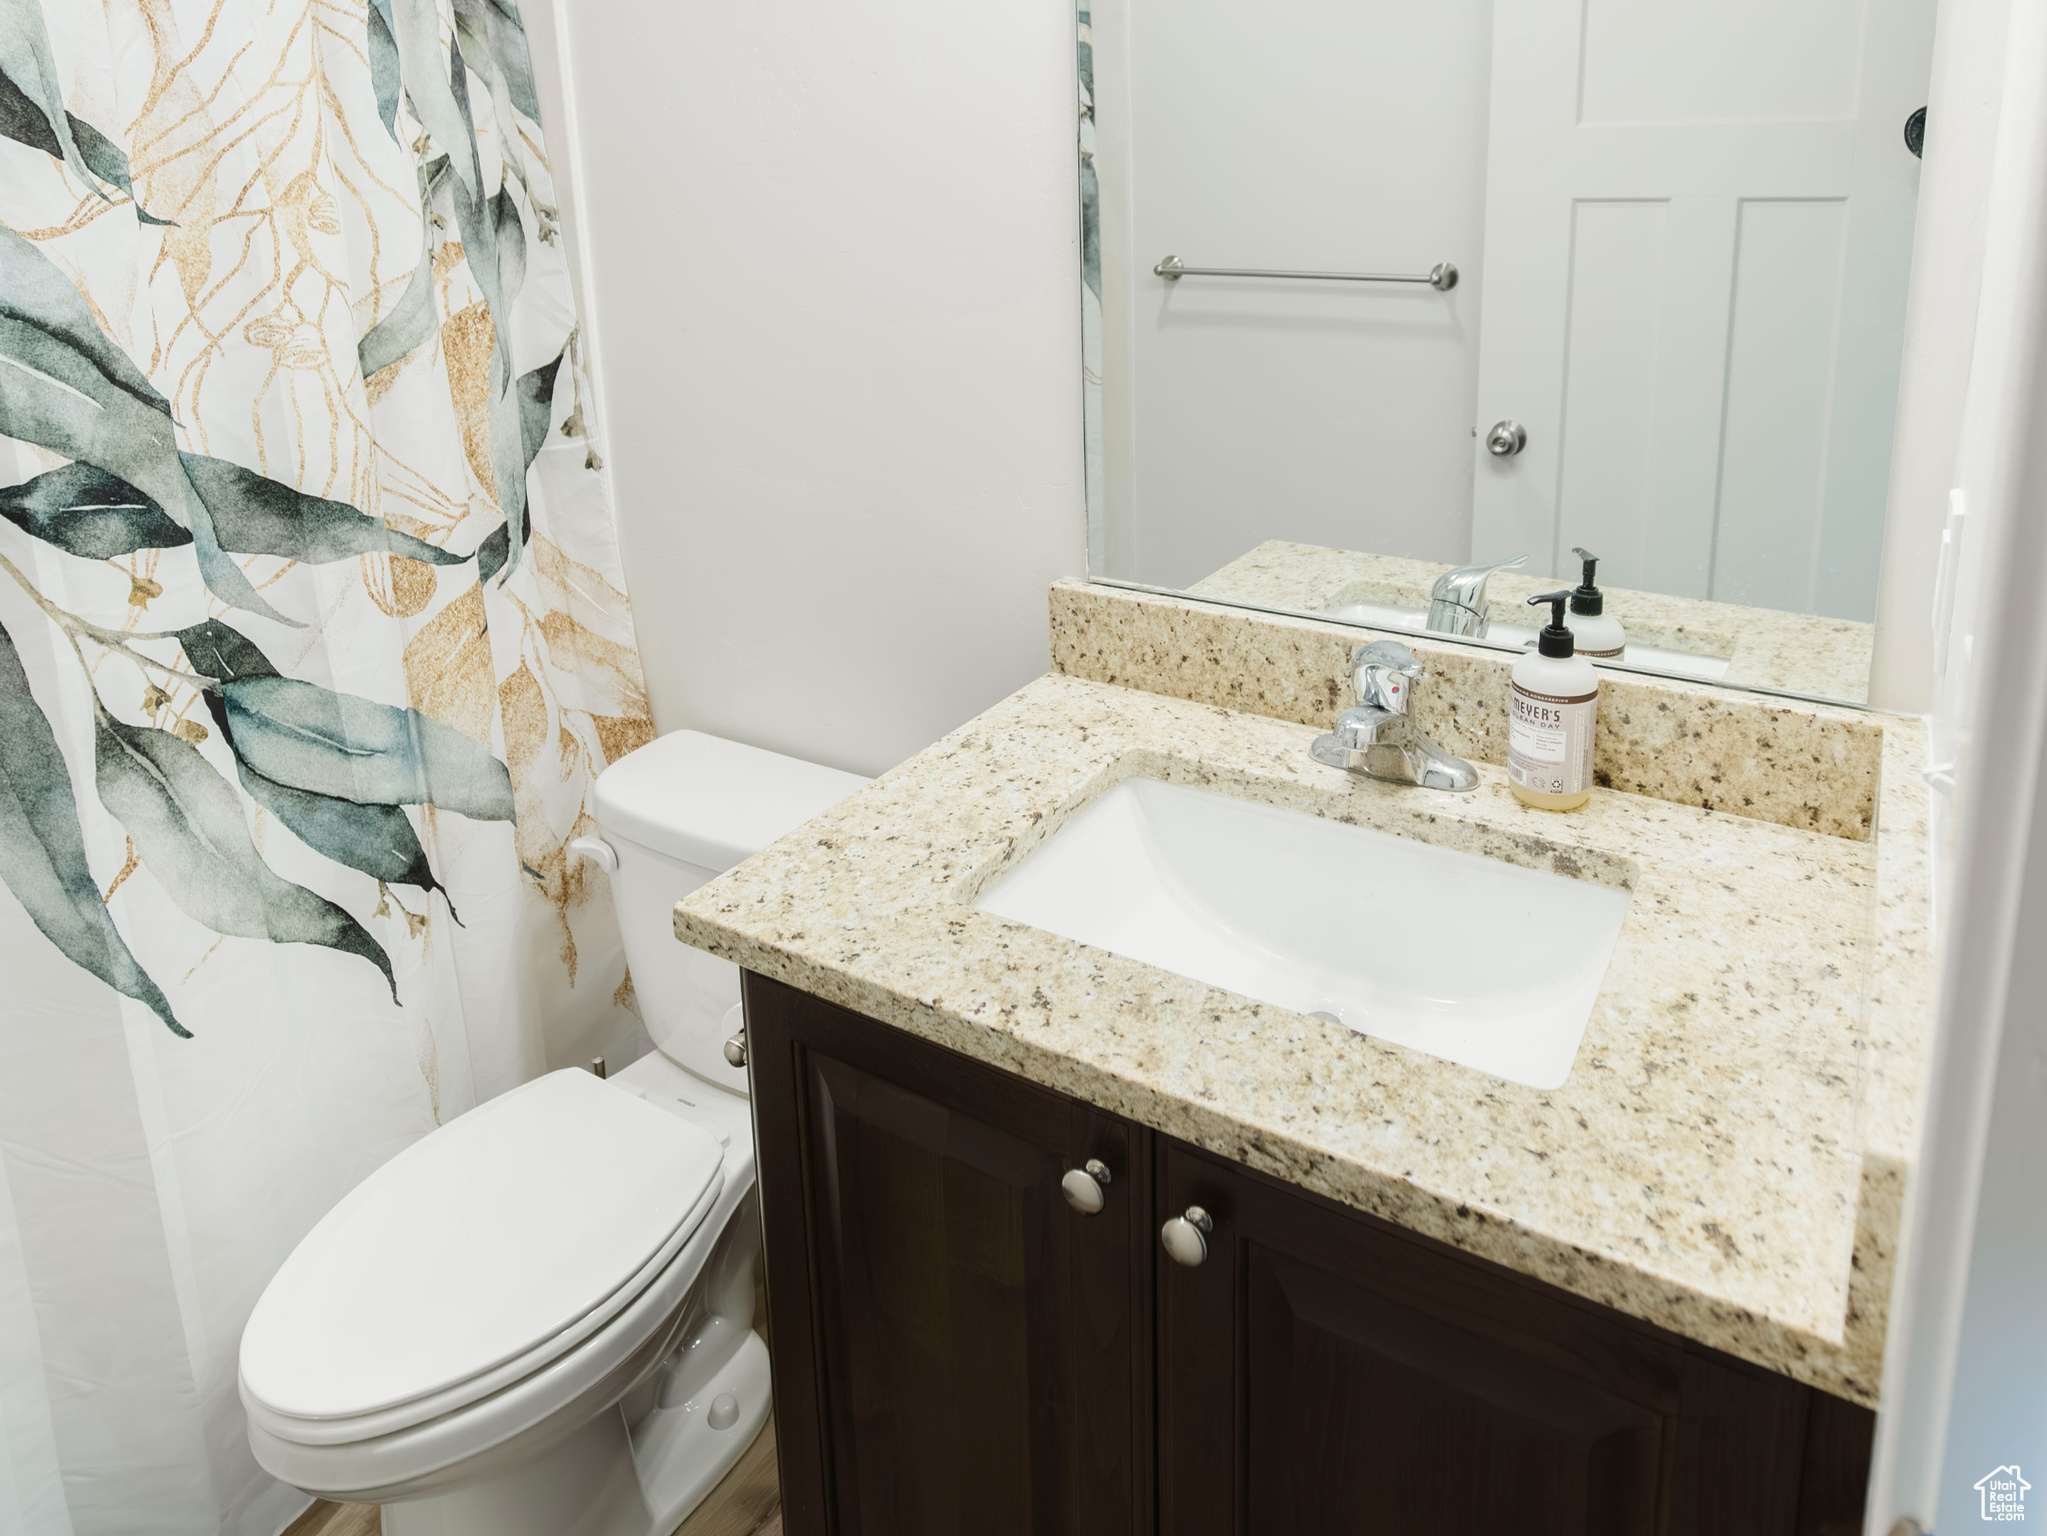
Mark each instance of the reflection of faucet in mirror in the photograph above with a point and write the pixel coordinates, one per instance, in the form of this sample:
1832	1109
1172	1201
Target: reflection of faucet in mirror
1377	738
1457	602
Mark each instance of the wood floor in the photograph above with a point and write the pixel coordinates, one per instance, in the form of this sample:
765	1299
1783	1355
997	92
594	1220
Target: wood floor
325	1519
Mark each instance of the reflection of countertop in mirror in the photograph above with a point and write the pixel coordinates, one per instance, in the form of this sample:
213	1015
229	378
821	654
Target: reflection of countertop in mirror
1726	1157
1763	647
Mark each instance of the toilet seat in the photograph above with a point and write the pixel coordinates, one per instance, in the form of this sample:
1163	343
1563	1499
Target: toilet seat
514	1423
521	1233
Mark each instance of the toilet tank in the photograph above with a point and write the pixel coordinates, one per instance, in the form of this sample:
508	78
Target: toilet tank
676	813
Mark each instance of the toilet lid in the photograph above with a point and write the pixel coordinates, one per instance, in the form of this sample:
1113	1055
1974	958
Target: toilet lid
527	1221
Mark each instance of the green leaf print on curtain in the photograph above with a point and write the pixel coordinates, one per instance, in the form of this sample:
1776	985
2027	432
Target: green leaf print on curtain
187	826
331	766
42	851
312	629
32	107
307	737
86	511
376	839
217	742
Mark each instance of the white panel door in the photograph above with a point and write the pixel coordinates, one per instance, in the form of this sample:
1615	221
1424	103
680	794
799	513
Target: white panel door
1698	234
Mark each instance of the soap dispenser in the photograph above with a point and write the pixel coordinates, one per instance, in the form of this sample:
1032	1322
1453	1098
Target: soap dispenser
1598	633
1551	708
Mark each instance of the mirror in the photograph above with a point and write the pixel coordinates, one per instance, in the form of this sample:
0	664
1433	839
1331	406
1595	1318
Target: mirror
1375	291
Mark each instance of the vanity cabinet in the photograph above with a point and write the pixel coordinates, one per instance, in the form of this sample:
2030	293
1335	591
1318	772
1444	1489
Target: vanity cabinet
956	1351
1322	1371
960	1350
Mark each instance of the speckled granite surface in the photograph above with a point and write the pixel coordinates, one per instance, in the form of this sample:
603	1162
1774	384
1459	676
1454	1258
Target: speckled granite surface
1767	647
1725	1159
1803	765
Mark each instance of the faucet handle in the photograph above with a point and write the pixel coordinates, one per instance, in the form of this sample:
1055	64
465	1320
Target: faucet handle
1457	601
1465	577
1381	673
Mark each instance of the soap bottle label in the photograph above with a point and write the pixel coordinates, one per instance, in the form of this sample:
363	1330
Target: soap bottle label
1613	655
1549	740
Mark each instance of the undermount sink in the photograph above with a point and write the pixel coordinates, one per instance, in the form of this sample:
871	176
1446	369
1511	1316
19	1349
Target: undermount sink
1415	621
1468	958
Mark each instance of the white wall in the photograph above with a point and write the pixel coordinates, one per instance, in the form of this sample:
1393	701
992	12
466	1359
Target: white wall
830	258
1967	1347
1969	44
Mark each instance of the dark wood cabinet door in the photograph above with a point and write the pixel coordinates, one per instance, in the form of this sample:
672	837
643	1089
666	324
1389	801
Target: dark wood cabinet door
1325	1372
957	1350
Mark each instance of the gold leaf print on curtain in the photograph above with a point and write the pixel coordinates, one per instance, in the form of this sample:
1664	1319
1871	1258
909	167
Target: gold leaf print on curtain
313	640
291	393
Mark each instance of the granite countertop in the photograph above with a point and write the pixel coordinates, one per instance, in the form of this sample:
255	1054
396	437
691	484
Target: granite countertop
1802	653
1725	1159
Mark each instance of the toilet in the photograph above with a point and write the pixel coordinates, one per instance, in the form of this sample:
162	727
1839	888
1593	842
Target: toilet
538	1320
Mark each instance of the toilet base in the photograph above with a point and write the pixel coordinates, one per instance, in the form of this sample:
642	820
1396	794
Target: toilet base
608	1478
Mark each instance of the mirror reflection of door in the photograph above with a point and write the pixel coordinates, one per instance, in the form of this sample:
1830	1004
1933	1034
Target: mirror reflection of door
1698	236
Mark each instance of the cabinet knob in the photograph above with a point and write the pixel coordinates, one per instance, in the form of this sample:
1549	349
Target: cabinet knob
735	1050
1083	1186
1186	1237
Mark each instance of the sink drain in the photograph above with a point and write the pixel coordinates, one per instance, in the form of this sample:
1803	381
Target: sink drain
1325	1016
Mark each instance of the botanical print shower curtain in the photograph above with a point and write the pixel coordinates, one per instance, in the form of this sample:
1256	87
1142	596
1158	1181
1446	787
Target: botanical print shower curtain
312	641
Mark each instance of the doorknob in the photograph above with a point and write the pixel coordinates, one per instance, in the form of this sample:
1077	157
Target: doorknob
735	1050
1506	439
1186	1237
1084	1186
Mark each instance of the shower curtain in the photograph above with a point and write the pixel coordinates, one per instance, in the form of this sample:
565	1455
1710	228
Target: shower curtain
312	642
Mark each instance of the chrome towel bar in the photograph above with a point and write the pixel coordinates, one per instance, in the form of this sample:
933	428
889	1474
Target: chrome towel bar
1442	276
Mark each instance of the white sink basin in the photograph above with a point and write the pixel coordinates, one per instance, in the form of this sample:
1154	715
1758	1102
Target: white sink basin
1654	657
1467	958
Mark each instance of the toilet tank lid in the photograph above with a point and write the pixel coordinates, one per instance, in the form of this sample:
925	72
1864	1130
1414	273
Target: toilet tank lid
713	802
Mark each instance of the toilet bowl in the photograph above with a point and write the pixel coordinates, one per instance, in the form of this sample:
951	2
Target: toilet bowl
538	1319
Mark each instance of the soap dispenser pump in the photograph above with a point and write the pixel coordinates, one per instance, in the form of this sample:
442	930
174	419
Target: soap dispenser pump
1598	633
1552	706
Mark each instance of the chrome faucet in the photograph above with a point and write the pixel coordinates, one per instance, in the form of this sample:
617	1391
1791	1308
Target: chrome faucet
1457	602
1377	738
